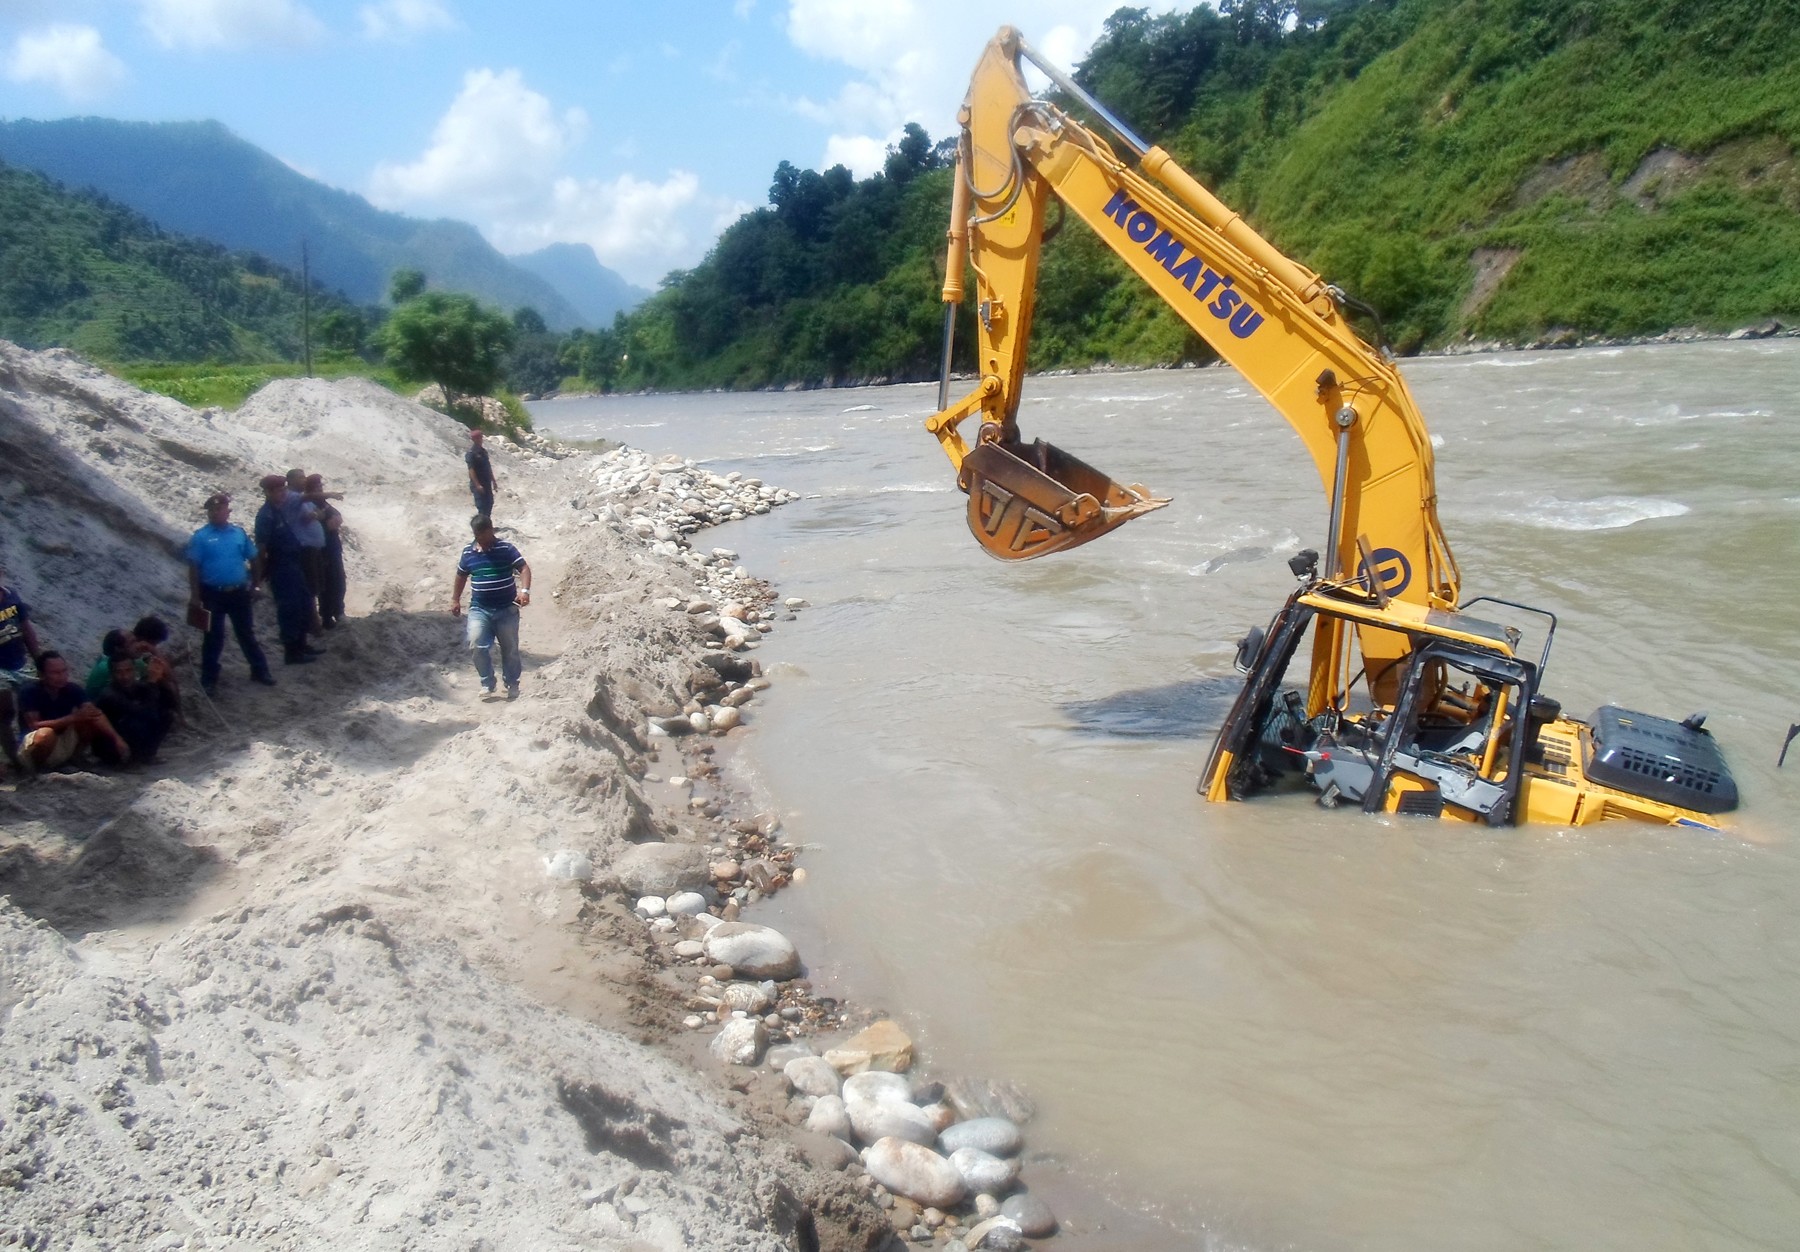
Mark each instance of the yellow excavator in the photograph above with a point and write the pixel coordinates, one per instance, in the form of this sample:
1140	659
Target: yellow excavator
1413	700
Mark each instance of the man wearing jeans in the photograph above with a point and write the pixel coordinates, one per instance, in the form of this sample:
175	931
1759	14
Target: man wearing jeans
222	578
500	585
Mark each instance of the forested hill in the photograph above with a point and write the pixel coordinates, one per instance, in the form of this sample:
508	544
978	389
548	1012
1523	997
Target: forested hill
199	179
1490	169
80	271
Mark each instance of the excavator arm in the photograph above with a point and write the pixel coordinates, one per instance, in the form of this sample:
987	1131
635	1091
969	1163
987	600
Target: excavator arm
1278	323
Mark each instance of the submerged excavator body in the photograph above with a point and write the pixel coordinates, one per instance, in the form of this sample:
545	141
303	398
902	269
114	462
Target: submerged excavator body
1407	702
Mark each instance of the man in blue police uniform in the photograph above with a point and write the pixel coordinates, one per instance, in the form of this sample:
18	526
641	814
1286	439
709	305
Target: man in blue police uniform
222	579
501	586
278	549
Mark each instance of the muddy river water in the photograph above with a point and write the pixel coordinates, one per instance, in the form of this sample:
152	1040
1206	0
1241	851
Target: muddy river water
1268	1025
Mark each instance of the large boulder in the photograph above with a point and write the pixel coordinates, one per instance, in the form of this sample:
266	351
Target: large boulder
660	869
914	1171
753	951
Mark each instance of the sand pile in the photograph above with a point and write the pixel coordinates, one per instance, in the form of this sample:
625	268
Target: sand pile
307	983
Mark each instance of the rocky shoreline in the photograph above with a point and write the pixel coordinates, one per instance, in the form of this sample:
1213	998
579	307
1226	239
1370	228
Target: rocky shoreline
943	1162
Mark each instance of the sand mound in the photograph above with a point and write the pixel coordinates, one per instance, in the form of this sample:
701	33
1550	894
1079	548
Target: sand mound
309	984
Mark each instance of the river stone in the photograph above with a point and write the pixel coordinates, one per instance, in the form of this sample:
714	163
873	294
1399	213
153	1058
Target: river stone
753	951
810	1075
685	904
726	718
997	1234
689	948
1033	1215
877	1086
829	1117
982	1171
651	906
747	997
782	1053
914	1171
881	1119
975	1097
883	1046
993	1135
739	1042
660	869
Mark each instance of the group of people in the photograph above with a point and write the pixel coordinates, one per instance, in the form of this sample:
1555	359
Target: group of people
131	698
122	712
297	551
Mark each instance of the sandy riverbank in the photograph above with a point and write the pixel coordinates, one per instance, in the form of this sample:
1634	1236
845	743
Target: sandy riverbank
306	982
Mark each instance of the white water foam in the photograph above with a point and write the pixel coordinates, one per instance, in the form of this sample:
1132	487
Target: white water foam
1603	513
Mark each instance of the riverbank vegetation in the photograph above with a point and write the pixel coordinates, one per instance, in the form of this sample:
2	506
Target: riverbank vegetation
1497	170
1507	171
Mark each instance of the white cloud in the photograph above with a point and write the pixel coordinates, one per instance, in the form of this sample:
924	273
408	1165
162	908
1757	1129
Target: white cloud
496	157
912	58
861	154
204	24
71	59
399	20
641	228
496	147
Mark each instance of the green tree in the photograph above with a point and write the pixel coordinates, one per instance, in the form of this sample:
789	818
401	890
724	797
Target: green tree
450	340
406	284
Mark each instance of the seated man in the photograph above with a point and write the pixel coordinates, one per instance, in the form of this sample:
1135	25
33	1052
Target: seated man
139	710
59	719
115	643
147	640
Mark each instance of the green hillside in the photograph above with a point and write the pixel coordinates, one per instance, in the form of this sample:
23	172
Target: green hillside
81	272
197	178
1490	169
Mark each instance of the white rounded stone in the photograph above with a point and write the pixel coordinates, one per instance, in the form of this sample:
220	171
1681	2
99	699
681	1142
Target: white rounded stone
984	1172
914	1171
752	950
810	1075
685	904
828	1117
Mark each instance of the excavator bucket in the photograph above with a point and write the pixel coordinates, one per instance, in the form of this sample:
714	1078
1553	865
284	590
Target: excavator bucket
1028	500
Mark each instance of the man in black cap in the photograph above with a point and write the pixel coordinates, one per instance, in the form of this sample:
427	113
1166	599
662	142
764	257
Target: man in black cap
278	549
222	578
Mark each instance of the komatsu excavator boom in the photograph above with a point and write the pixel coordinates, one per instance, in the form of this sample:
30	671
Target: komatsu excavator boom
1410	704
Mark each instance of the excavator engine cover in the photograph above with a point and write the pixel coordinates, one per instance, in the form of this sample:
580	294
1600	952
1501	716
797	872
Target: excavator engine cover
1668	762
1029	500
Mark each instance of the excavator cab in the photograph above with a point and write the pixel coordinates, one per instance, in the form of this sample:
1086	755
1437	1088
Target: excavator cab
1029	500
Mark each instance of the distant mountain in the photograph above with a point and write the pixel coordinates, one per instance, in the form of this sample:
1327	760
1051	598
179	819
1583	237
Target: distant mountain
596	292
198	178
86	273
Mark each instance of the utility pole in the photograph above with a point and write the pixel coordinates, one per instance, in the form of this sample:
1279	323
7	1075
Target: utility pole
306	305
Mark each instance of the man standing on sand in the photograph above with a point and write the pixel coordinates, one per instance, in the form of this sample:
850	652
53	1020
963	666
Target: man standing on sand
481	475
278	549
501	587
222	579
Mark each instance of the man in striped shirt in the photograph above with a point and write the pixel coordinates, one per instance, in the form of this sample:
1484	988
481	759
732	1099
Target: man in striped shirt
500	585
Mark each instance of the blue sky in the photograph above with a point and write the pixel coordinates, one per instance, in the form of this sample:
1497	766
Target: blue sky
640	129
